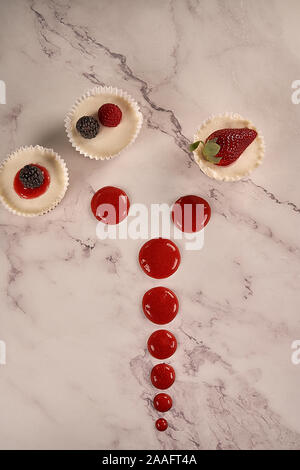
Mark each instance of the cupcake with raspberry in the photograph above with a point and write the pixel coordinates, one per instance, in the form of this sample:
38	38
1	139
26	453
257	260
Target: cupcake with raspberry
33	180
103	123
228	147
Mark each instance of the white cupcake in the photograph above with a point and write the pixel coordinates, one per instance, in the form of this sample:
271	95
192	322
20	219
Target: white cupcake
110	141
54	169
245	164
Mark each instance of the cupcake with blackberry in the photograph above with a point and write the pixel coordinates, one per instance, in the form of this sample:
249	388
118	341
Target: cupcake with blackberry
33	180
103	123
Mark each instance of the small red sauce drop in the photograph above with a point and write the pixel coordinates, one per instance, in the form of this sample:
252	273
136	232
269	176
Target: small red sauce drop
162	376
160	305
161	424
110	205
191	213
162	402
159	258
31	193
162	344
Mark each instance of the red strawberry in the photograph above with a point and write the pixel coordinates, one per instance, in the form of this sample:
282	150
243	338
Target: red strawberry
225	146
110	115
233	142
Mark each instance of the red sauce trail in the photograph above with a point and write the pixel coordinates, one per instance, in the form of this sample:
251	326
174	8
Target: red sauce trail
162	402
162	376
161	424
160	305
191	213
31	193
159	258
162	344
110	205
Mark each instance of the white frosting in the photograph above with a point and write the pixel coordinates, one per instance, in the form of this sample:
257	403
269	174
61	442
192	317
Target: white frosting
246	163
58	181
110	141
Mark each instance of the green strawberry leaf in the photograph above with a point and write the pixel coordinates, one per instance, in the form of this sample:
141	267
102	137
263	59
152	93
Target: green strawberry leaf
210	150
213	159
195	145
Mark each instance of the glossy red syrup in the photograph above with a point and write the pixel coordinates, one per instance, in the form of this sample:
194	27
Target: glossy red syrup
161	424
162	402
191	213
162	376
160	305
162	344
159	258
110	205
31	193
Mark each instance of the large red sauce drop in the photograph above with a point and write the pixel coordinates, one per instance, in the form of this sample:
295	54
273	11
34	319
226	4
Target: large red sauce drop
159	258
110	205
162	402
162	344
160	305
162	376
191	213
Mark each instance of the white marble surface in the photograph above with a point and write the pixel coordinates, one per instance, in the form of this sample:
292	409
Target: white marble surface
77	372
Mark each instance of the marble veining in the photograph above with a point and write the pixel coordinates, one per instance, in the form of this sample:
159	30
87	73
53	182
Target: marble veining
77	372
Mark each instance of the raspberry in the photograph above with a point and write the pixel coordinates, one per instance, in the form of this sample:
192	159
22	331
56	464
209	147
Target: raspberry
110	115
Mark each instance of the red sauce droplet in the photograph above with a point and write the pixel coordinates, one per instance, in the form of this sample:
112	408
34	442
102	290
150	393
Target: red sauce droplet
162	376
191	213
31	193
161	424
162	402
159	258
162	344
160	305
110	205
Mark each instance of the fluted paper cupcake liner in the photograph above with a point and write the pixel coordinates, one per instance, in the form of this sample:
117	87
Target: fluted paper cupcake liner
226	173
94	92
51	204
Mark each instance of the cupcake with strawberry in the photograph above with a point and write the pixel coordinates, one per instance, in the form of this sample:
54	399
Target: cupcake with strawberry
228	147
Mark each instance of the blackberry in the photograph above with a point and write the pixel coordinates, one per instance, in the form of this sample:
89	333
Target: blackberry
88	127
31	176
